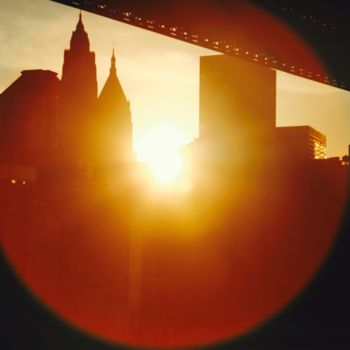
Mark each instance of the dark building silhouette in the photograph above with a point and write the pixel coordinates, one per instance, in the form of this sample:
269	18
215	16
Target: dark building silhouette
52	125
237	103
28	121
301	142
78	97
114	123
238	115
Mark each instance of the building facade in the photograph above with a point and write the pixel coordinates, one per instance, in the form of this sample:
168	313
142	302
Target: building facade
301	142
237	102
28	120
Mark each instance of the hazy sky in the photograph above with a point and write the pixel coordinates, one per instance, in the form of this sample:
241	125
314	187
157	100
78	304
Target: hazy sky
160	76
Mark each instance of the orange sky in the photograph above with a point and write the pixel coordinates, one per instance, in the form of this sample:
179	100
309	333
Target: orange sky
160	75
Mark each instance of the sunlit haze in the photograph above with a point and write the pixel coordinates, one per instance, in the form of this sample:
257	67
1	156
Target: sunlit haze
160	149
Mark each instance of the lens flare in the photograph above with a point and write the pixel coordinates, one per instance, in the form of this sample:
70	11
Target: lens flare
160	149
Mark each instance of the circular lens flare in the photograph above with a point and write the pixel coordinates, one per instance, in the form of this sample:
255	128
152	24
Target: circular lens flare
158	290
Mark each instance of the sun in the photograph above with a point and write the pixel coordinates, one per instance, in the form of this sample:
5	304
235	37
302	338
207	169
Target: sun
160	149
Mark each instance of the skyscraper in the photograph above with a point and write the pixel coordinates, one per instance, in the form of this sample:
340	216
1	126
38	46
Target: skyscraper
237	103
114	123
78	97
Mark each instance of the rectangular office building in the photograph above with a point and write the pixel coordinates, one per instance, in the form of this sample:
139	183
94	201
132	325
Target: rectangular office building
301	142
237	101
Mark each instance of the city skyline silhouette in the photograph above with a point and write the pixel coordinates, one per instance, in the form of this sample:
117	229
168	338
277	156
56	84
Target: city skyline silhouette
228	251
299	102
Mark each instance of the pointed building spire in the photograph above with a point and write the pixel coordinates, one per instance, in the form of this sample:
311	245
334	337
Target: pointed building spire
80	25
113	70
80	40
112	88
115	119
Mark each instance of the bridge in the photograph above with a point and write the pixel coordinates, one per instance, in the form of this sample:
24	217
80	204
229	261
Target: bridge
307	39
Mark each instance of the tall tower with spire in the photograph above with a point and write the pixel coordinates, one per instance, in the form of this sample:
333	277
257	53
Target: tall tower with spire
78	97
115	124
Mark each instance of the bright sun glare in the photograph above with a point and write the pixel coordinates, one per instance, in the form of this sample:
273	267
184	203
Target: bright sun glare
160	149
